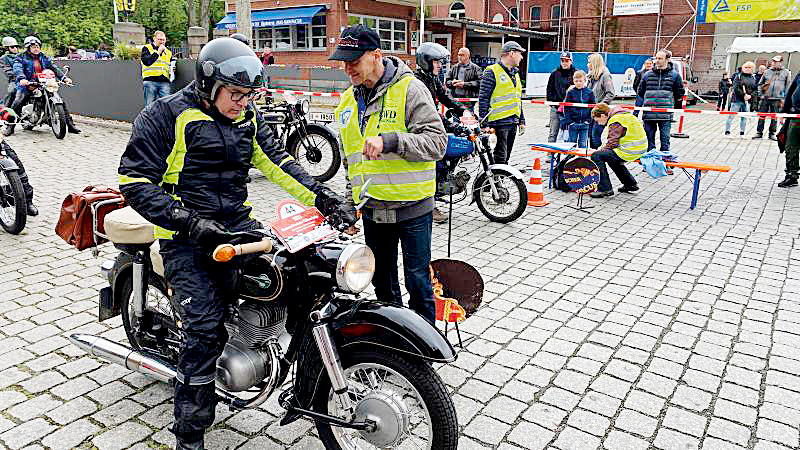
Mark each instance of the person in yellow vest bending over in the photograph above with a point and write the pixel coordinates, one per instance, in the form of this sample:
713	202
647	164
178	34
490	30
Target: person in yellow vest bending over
392	137
499	97
157	68
624	140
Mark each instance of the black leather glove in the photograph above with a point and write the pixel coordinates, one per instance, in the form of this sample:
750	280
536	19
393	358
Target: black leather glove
338	211
203	232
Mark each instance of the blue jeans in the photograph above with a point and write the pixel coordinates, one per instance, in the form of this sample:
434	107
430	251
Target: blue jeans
414	237
663	127
154	90
738	107
579	132
595	134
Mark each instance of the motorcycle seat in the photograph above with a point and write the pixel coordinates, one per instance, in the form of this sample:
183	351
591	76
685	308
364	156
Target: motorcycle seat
126	226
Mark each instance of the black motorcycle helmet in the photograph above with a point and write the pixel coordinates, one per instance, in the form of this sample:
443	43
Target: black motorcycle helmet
226	61
427	53
241	37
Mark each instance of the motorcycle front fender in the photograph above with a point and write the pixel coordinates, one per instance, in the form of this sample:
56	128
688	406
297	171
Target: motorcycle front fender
56	99
8	164
322	129
393	328
498	167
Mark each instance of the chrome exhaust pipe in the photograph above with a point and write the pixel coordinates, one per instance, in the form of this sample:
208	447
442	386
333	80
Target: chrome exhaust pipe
119	354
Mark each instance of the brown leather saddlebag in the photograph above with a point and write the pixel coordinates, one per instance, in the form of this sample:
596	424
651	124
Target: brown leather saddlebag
82	210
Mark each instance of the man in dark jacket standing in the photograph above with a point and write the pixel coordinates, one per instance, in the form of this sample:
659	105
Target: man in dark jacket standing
558	83
500	100
464	78
724	89
637	80
772	88
791	105
659	89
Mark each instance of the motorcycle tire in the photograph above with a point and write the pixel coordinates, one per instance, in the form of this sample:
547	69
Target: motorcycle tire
323	147
415	372
58	121
126	307
511	190
12	192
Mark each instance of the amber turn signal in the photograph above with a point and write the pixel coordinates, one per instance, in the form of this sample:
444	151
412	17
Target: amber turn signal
224	253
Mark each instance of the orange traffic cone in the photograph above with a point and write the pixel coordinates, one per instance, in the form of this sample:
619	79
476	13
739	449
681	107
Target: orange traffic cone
535	192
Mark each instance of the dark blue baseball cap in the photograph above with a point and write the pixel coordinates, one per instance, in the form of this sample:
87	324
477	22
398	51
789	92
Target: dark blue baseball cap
354	42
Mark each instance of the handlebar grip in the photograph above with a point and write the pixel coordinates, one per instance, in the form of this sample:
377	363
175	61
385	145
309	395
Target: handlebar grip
226	252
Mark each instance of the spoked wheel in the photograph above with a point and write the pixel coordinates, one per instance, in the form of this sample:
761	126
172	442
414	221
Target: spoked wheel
318	154
406	400
157	311
58	120
13	205
508	200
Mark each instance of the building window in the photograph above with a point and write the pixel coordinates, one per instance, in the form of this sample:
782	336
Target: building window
295	37
513	17
458	11
498	18
555	15
393	32
536	16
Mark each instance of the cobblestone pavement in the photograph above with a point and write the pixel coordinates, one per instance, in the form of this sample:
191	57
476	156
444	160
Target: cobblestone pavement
639	325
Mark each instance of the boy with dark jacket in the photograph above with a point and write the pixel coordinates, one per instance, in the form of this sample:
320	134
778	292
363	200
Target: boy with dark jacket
578	119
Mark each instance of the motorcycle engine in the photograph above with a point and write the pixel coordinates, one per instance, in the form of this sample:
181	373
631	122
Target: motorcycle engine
245	361
458	184
27	112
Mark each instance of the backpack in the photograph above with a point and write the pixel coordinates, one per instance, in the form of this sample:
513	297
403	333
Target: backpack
558	182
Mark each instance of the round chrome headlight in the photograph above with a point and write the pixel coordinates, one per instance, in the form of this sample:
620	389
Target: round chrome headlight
306	106
355	268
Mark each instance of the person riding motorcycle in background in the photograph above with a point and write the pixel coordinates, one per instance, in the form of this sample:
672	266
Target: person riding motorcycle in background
184	170
7	65
430	57
26	65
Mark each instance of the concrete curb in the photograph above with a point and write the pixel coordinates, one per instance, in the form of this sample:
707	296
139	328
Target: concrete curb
124	126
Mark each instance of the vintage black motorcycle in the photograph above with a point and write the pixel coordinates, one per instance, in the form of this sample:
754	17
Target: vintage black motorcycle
314	146
13	204
362	369
498	189
45	105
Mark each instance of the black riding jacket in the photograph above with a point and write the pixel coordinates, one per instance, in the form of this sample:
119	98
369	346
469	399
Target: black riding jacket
180	153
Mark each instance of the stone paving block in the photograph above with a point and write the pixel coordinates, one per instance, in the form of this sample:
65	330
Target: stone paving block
11	398
530	436
518	390
744	415
14	357
767	445
108	373
78	367
701	380
535	375
26	433
155	394
611	386
777	432
72	410
48	345
110	393
588	422
691	398
486	429
466	408
289	433
478	390
122	436
571	438
635	422
559	397
684	421
74	388
504	409
42	382
71	436
729	431
262	443
34	407
250	421
617	440
667	439
224	439
118	413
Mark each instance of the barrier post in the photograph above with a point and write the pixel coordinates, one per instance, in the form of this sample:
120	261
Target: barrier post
680	134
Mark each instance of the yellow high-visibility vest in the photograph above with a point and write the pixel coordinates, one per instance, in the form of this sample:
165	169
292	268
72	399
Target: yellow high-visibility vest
634	143
506	97
160	66
393	178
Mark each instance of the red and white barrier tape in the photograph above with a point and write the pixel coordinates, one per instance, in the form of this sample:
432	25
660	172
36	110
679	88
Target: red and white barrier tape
577	105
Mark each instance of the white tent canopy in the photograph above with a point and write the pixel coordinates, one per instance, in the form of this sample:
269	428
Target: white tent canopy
765	45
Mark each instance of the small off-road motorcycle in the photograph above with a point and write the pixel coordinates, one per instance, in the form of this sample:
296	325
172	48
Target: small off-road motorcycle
314	146
363	370
45	105
13	204
498	189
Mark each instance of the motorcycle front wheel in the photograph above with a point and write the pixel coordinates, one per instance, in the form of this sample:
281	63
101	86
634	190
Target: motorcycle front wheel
13	205
157	311
509	200
318	153
58	120
405	397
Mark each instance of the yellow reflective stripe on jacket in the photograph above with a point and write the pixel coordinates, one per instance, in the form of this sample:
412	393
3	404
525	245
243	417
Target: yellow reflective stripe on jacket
177	157
634	143
160	66
124	179
505	100
393	178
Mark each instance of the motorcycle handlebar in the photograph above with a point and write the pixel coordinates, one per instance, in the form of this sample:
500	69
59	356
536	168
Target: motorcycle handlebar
226	252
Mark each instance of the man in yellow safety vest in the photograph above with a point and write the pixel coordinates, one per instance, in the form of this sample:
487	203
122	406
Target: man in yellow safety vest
500	94
392	137
624	140
158	68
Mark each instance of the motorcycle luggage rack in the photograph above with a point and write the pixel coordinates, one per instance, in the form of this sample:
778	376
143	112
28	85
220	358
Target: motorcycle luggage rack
96	234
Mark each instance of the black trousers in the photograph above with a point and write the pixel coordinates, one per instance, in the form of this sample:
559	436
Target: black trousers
202	290
506	135
23	176
771	106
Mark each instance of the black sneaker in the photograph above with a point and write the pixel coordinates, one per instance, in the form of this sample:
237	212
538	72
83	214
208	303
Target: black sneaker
601	194
772	137
727	133
629	189
741	133
758	136
788	182
32	210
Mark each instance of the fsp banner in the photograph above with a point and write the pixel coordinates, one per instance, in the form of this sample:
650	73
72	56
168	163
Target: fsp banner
630	7
746	10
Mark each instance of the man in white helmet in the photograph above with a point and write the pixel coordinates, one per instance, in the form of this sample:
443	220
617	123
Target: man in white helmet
7	65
